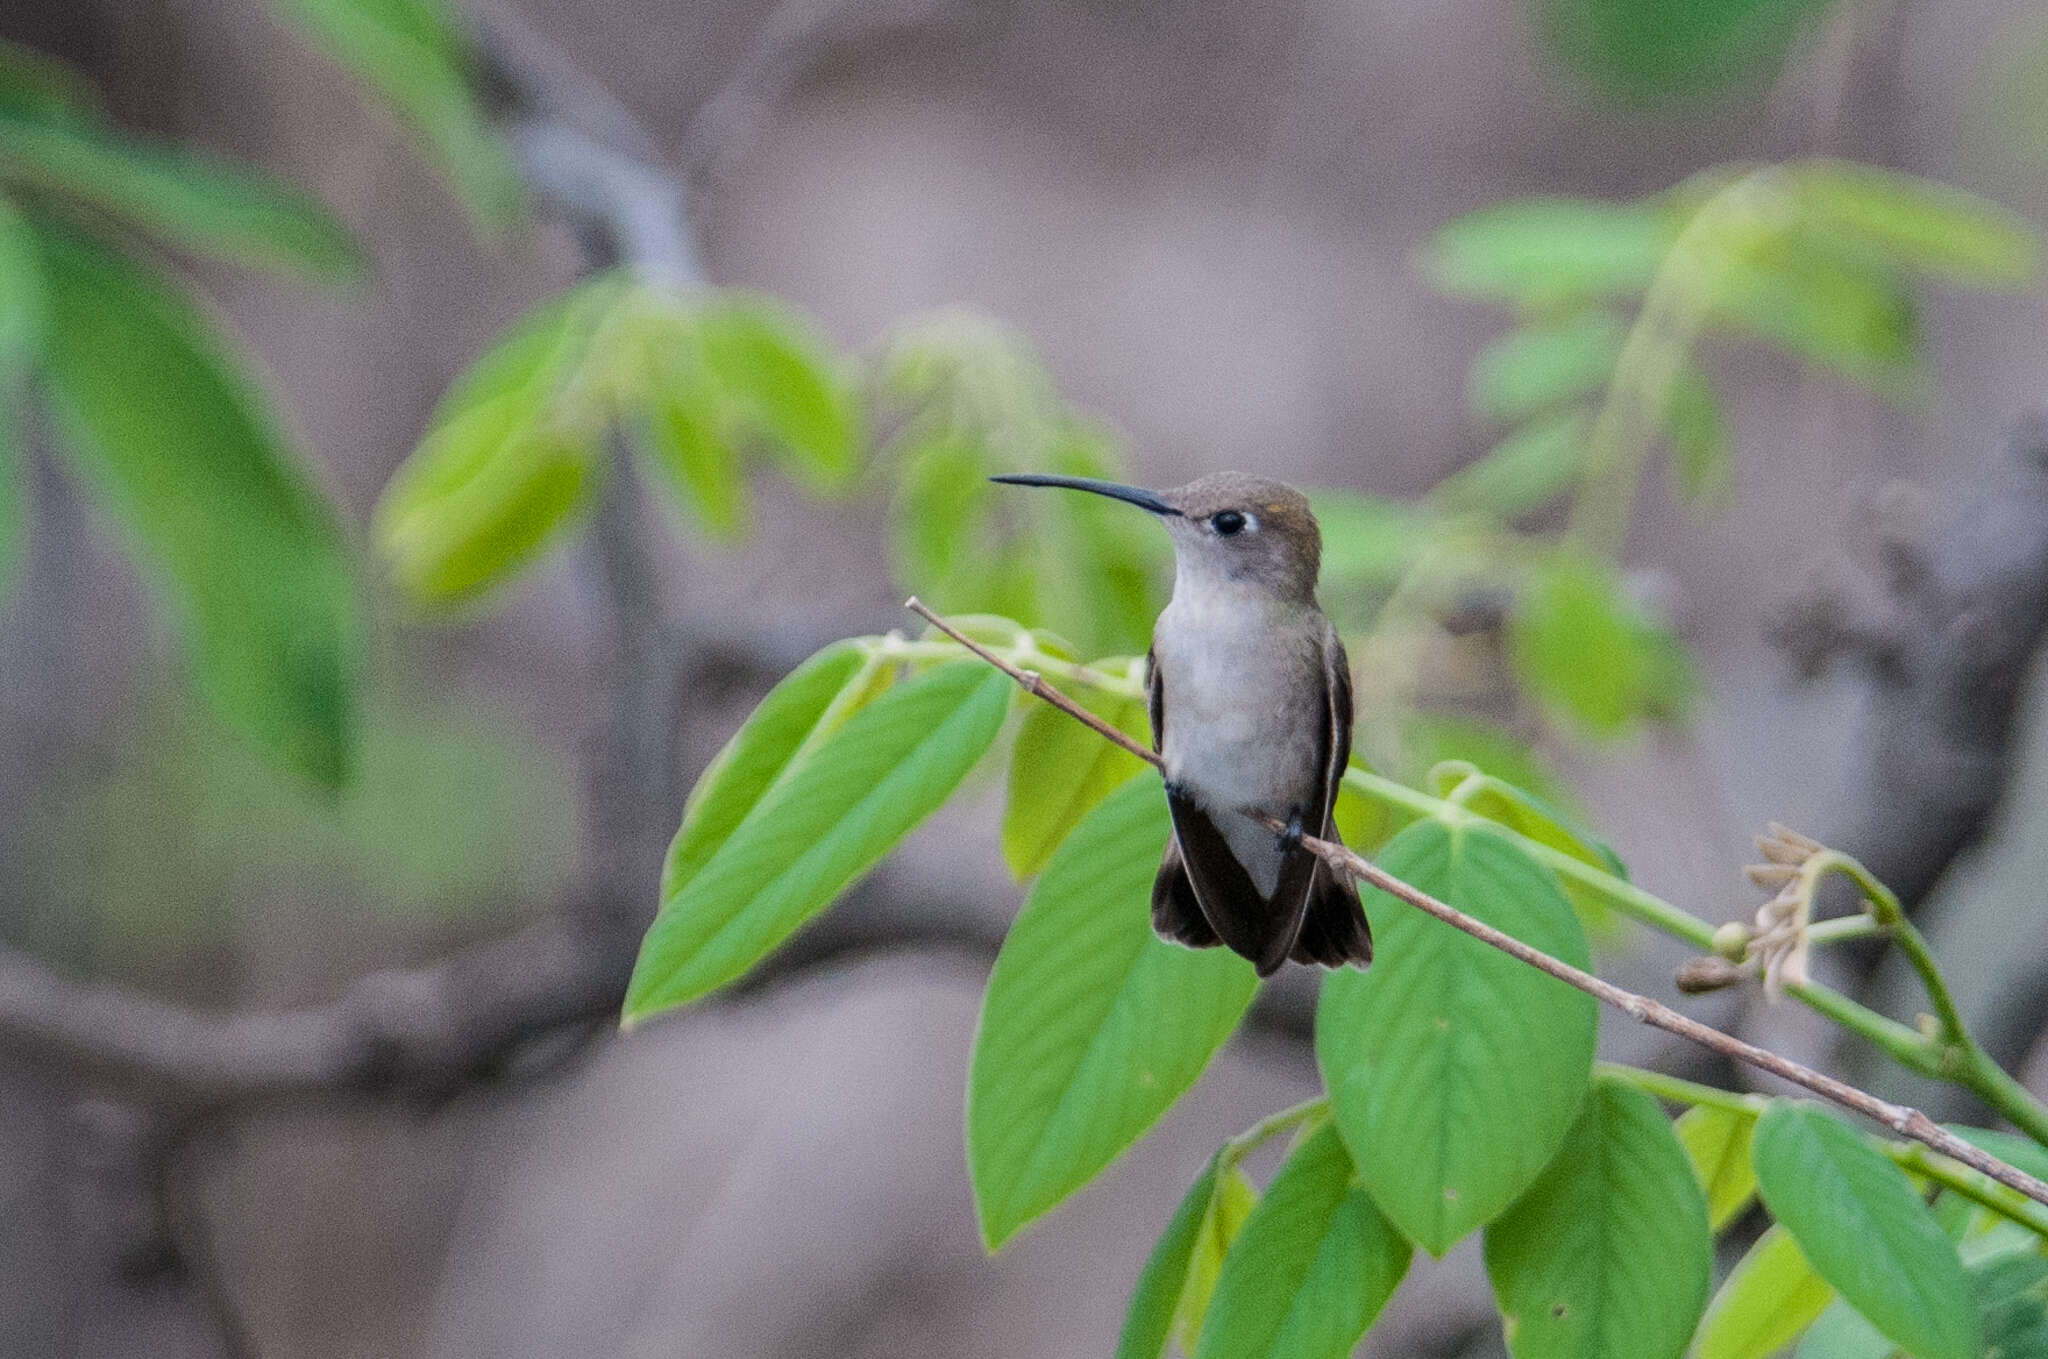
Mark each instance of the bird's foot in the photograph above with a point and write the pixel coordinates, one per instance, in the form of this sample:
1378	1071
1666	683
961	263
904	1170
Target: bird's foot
1290	839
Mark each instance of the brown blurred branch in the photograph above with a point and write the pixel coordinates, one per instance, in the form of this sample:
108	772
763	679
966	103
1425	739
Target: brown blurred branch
1900	1119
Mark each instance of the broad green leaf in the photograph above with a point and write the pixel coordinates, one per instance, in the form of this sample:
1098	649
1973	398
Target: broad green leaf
1918	223
1092	1025
843	807
181	449
1582	648
414	54
1858	1219
1702	451
1312	1268
1608	1255
783	381
510	454
203	204
1529	468
1536	367
1548	251
1455	1070
1718	1140
1060	770
1841	1332
809	703
1532	818
1155	1300
1769	1298
1229	1209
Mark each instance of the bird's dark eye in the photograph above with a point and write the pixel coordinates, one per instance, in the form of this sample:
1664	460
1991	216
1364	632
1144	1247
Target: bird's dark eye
1227	523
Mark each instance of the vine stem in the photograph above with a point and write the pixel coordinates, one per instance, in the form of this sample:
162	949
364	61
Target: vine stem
1905	1121
1910	1156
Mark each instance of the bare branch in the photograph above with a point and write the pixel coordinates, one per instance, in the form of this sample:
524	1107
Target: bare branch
1900	1119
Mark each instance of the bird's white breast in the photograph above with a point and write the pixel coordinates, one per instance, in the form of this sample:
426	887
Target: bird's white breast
1244	711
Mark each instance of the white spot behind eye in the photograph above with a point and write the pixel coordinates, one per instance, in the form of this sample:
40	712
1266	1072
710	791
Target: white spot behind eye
1251	522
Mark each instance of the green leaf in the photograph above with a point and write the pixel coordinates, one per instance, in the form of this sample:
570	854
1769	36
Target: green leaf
179	446
510	455
1919	224
1155	1301
2012	1298
1718	1140
1312	1268
1584	649
1702	451
1060	771
1858	1219
808	705
696	462
1455	1070
1769	1298
1528	469
843	807
415	55
1648	50
781	380
1092	1025
1827	305
1229	1209
1548	251
1608	1254
201	203
1534	368
1841	1332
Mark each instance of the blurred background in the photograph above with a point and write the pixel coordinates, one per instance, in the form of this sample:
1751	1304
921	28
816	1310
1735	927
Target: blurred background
1218	228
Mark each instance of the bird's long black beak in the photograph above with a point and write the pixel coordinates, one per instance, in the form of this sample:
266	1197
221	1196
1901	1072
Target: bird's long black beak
1132	495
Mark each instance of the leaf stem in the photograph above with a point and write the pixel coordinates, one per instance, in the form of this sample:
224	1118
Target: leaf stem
1912	1156
1678	1090
1270	1127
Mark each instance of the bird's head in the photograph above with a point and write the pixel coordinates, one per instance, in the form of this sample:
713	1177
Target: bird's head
1228	529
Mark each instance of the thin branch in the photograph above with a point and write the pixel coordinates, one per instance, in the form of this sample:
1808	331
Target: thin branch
1907	1122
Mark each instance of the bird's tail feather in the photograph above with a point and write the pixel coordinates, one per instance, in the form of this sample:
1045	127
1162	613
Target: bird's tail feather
1333	930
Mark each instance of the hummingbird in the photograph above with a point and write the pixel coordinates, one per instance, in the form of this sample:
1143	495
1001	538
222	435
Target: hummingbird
1249	692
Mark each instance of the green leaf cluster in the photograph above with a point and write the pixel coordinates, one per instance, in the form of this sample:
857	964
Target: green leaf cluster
976	401
703	380
1819	259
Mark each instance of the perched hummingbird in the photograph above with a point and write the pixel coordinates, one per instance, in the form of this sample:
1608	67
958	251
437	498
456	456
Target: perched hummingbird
1250	696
